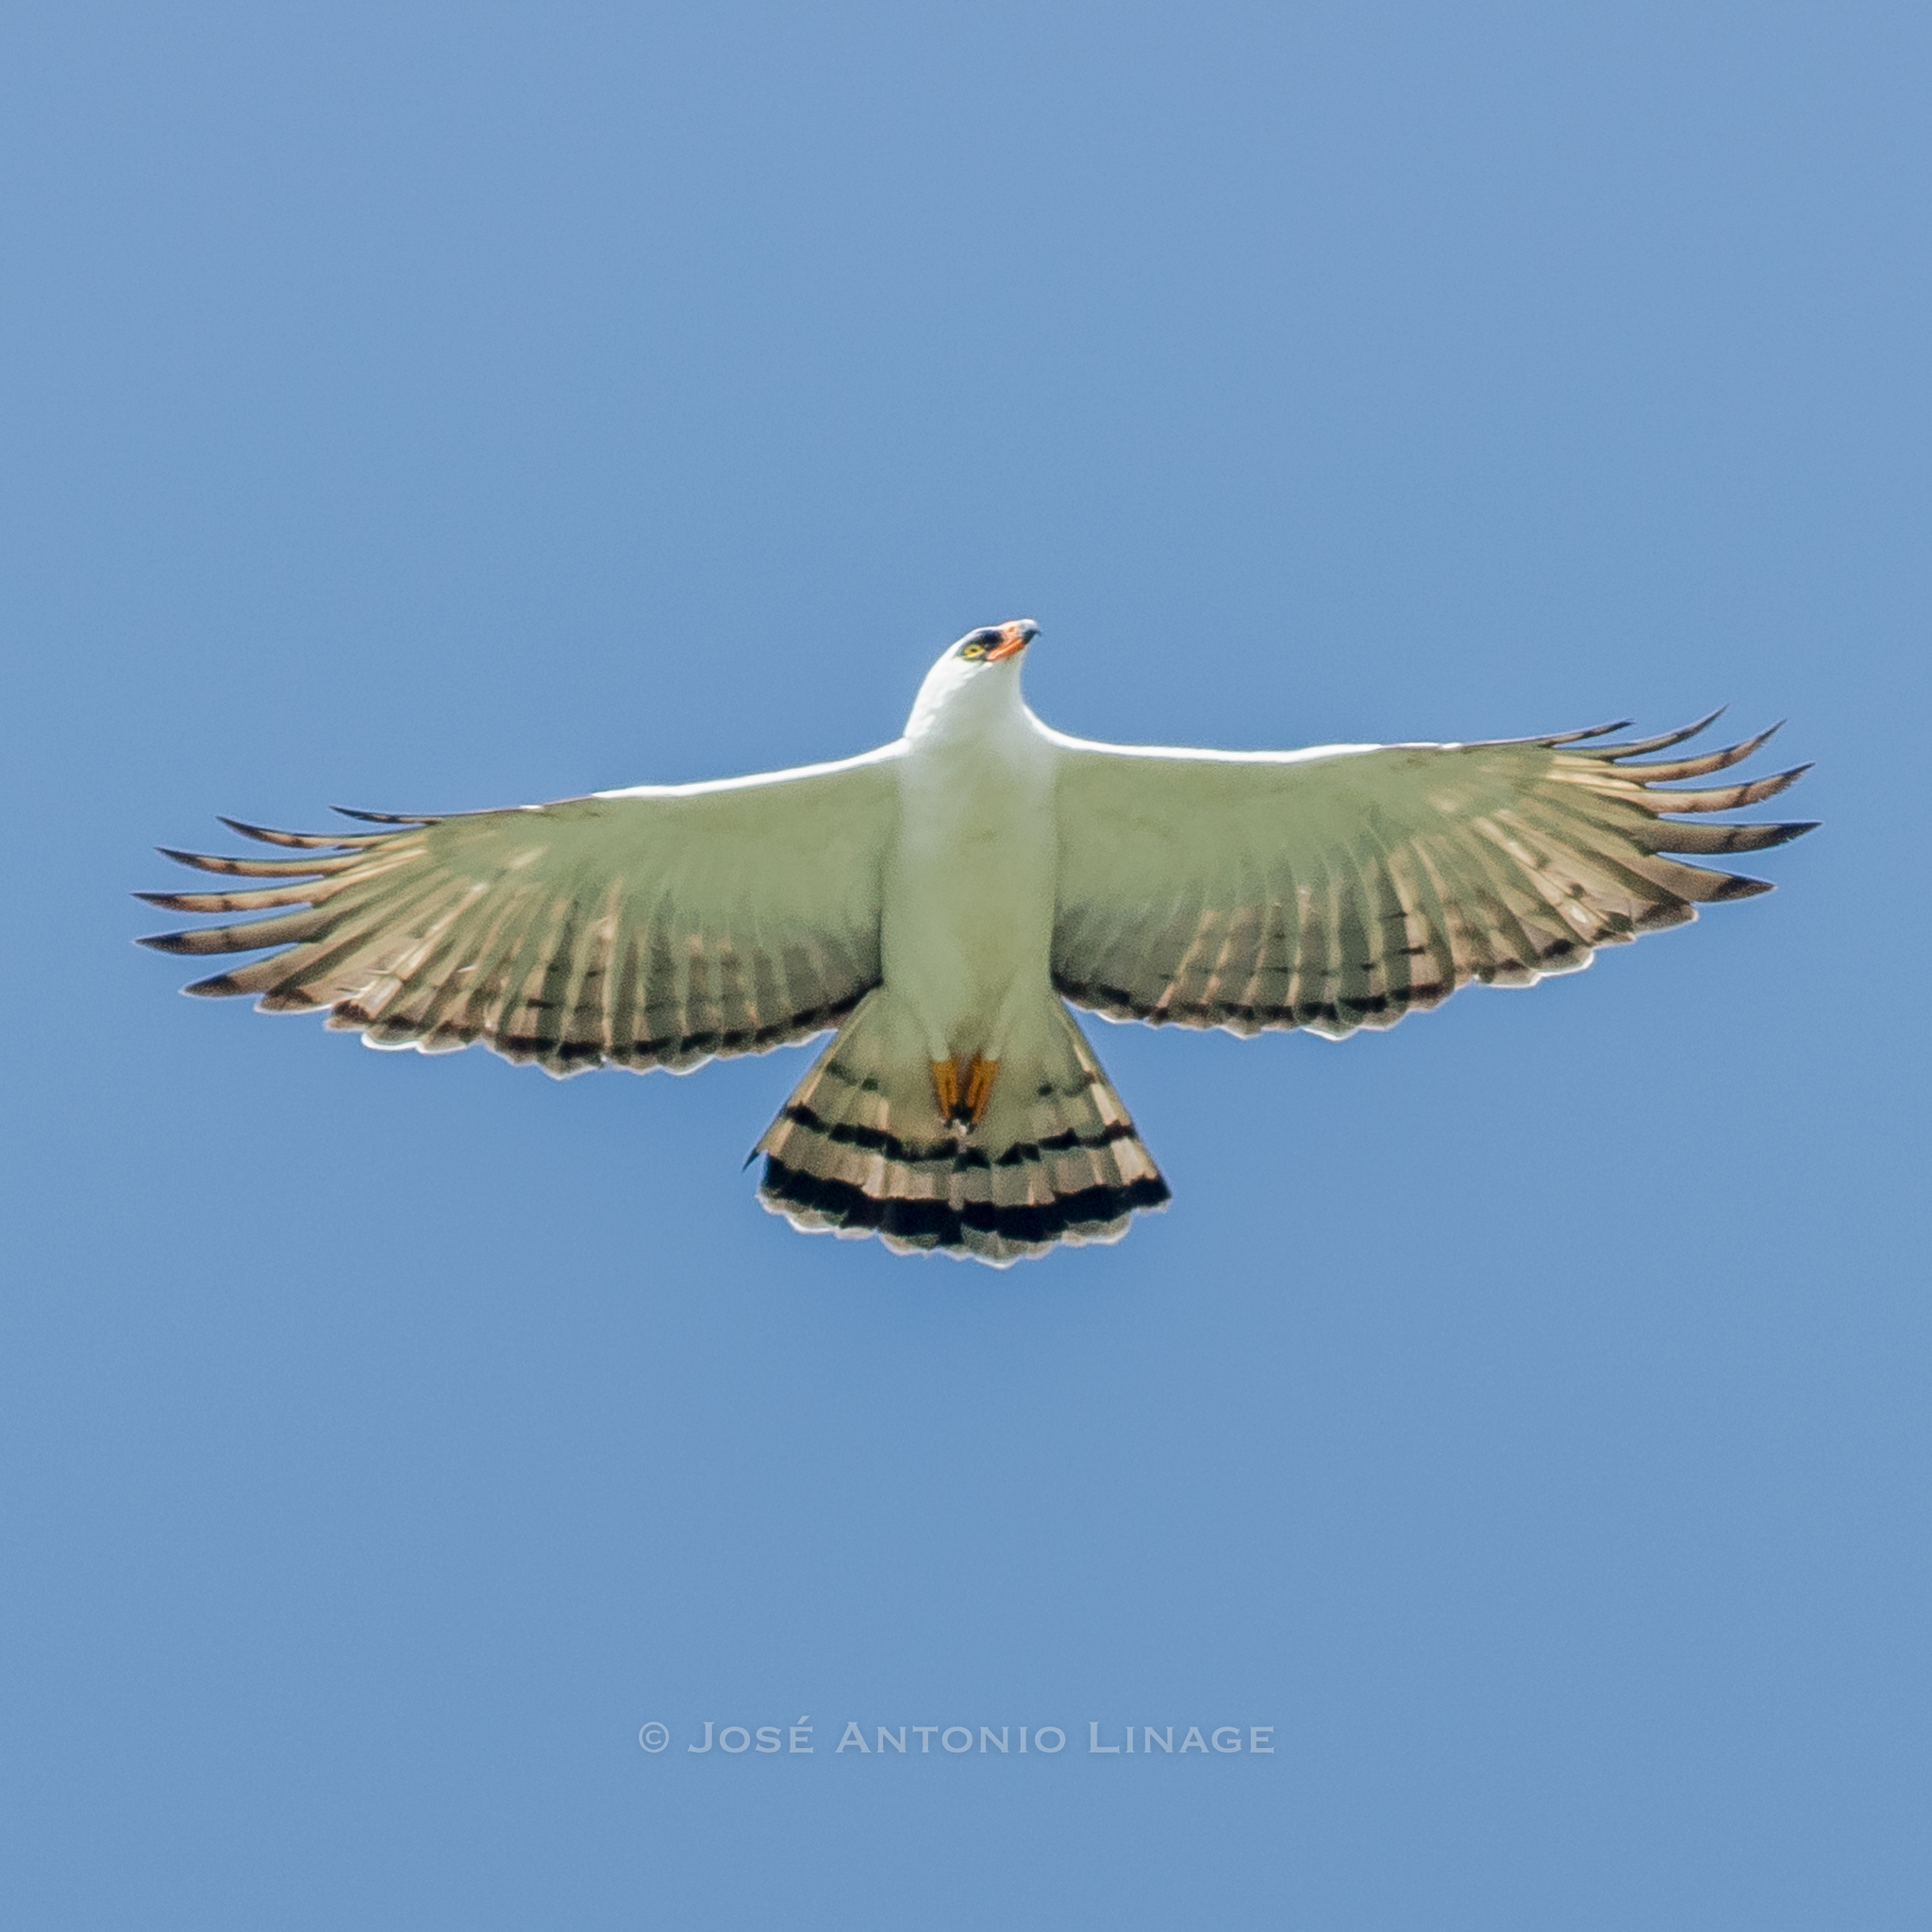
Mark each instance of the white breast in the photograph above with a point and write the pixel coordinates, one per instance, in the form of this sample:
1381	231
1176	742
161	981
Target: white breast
968	903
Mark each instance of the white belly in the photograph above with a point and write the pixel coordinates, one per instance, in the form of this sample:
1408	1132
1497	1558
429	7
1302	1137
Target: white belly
967	930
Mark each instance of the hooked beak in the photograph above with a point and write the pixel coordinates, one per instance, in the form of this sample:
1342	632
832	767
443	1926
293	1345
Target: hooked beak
1014	638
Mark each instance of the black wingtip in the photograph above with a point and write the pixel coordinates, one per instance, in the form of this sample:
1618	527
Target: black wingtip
221	986
383	818
260	834
1664	740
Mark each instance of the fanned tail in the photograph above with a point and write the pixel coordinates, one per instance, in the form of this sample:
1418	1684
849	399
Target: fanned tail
860	1149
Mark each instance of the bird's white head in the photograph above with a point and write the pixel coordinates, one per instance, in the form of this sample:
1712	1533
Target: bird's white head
976	681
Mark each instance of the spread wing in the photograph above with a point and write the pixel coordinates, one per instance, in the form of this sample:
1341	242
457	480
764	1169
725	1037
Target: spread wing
1339	888
654	928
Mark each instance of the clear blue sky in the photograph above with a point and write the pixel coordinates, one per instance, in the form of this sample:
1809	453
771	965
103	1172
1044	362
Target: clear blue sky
1523	1411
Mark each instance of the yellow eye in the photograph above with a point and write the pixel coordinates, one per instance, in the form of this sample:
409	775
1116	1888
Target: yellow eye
974	651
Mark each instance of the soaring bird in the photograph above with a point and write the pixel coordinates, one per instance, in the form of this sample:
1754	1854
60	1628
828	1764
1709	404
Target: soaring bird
940	900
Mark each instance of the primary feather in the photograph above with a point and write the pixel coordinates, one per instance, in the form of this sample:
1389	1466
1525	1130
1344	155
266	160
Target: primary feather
1343	886
654	928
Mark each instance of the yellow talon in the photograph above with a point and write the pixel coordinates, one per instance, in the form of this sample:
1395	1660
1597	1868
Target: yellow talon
967	1108
945	1087
979	1079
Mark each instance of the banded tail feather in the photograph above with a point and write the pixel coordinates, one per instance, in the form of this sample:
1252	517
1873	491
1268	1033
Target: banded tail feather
860	1148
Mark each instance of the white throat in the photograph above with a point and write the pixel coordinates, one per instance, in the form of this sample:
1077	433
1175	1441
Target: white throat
962	700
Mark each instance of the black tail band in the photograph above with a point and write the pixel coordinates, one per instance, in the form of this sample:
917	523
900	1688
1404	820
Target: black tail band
952	1153
938	1224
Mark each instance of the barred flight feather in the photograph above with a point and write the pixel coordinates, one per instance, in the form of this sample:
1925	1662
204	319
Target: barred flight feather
1337	890
309	840
658	928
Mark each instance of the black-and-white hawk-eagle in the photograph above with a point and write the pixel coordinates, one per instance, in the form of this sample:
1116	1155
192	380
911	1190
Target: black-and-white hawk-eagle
943	900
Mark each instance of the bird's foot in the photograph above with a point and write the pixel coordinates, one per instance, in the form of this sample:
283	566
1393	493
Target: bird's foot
945	1087
965	1106
979	1078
